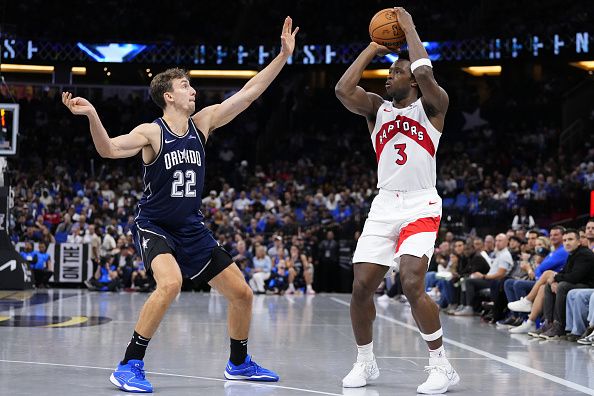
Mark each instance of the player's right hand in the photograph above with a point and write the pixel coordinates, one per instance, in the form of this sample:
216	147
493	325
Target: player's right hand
380	50
77	105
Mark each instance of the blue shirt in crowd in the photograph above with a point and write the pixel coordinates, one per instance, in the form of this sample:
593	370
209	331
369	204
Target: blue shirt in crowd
42	259
555	261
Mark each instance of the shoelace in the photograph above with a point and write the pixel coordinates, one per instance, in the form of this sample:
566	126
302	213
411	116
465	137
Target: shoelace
138	372
431	369
256	367
363	367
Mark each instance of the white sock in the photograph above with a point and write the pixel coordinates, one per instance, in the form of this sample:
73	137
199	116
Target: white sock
365	353
529	321
438	357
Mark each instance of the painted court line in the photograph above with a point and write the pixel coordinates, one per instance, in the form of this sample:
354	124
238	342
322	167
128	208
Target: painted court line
499	359
425	358
180	376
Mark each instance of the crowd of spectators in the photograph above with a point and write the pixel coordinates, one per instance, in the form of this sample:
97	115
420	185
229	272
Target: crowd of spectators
273	176
539	283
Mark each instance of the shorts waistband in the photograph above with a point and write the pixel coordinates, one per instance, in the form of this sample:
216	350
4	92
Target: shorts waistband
409	194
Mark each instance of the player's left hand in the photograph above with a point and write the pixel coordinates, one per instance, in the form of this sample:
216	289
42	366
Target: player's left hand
404	19
288	37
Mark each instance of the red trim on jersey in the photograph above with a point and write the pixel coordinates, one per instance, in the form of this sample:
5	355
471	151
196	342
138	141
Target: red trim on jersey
425	224
408	127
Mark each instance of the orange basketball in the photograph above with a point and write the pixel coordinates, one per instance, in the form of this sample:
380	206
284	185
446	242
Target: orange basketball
385	30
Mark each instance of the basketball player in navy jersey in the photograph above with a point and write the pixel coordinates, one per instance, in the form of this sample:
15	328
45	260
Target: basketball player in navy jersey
404	217
168	228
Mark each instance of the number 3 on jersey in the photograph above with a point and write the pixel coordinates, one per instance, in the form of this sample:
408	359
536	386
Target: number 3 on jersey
177	187
400	151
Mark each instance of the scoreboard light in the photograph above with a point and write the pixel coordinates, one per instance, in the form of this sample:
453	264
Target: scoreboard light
9	128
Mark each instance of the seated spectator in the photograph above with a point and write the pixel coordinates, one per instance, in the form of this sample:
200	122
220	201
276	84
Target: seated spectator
43	268
524	304
590	233
65	226
517	289
277	251
529	326
580	315
446	279
141	281
477	261
523	220
124	263
501	267
106	277
578	273
75	235
242	253
278	281
558	256
29	255
261	270
301	272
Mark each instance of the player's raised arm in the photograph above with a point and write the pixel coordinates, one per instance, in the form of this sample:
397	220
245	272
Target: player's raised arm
352	96
215	116
435	99
119	147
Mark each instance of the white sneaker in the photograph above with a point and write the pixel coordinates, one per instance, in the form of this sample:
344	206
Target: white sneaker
524	328
310	291
440	378
291	289
360	374
522	305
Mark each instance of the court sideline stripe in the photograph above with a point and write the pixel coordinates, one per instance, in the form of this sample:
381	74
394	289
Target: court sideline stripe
178	375
499	359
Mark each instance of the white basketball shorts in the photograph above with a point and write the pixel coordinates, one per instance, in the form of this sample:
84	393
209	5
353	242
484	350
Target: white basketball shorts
399	223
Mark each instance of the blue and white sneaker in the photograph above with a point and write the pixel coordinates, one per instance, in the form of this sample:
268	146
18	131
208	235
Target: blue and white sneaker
130	377
249	371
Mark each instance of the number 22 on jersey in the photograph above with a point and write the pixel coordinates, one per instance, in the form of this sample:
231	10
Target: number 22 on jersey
183	186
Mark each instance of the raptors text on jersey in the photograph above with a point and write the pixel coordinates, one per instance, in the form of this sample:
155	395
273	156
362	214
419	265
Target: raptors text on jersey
405	144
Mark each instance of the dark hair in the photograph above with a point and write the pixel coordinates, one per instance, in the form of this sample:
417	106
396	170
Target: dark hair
560	228
590	220
534	232
161	83
572	231
404	55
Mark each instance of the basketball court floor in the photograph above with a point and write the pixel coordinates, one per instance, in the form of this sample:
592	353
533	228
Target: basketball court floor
60	342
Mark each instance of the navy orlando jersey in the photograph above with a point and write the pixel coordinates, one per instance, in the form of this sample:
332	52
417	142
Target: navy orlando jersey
174	180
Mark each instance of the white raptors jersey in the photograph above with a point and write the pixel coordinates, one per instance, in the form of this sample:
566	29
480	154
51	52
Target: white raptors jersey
405	144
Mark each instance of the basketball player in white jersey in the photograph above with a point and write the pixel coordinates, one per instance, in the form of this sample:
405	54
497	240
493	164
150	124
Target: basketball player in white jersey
404	218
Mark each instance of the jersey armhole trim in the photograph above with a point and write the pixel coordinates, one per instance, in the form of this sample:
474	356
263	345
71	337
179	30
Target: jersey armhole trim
200	134
160	148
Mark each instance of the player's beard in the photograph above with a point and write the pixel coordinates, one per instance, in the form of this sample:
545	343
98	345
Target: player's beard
399	93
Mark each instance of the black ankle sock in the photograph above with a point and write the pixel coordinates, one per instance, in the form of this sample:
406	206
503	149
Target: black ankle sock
238	351
136	348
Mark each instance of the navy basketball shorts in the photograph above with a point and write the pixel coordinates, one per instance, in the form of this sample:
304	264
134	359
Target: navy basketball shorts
197	253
